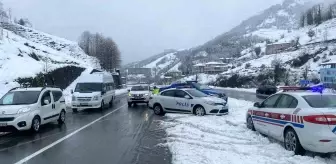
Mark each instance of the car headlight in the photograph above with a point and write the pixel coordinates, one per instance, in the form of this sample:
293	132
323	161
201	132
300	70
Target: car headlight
210	103
24	110
96	98
146	94
73	98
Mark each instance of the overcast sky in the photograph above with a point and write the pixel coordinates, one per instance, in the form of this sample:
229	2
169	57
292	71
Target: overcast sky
141	28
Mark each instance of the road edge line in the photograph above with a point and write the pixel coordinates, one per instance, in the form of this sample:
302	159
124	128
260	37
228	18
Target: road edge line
65	137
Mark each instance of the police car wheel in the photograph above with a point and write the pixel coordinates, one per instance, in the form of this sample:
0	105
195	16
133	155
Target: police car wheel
249	123
199	111
292	142
158	110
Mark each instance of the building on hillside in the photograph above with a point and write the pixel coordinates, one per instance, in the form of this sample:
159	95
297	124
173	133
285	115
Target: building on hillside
198	68
277	48
210	68
227	60
215	68
328	74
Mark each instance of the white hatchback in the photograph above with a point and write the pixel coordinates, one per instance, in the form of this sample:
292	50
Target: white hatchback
28	108
187	101
301	119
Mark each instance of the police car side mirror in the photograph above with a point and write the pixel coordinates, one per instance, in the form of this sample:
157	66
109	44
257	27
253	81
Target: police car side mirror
128	90
257	104
71	91
187	97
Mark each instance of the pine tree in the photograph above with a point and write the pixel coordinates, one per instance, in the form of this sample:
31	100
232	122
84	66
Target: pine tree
303	20
318	15
310	18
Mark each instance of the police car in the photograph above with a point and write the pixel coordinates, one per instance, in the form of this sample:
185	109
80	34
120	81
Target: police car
187	100
303	118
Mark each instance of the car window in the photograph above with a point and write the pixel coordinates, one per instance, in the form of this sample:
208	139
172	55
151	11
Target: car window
20	98
286	101
46	96
57	95
270	102
180	94
321	101
170	93
294	103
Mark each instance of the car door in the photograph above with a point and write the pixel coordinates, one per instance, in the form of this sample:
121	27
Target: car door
281	115
261	114
58	101
182	104
47	110
167	100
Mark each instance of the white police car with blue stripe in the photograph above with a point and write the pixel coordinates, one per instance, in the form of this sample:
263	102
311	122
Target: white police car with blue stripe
187	101
298	116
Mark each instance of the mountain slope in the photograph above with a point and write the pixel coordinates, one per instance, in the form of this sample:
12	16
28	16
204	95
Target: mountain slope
25	52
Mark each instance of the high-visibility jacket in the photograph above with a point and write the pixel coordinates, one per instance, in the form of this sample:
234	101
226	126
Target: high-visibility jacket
156	91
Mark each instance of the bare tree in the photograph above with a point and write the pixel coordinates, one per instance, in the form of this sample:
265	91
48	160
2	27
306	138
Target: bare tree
325	35
104	49
10	15
305	72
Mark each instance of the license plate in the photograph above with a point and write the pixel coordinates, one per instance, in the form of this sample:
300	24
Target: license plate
3	124
84	104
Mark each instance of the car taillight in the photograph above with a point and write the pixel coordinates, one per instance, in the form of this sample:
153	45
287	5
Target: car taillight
321	119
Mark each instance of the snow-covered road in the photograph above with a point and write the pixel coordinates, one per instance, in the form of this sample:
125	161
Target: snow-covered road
226	140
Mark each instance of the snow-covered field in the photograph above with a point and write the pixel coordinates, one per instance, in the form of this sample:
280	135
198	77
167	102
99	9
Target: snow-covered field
226	140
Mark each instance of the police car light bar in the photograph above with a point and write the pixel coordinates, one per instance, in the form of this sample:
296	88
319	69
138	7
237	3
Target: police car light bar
317	88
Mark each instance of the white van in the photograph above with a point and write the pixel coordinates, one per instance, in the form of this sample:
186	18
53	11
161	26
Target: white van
95	90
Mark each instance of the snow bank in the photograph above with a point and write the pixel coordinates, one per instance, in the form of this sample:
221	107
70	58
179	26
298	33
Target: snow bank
252	90
225	139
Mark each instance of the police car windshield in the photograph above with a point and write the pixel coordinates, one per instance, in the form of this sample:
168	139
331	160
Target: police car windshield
201	86
20	98
321	101
196	93
139	88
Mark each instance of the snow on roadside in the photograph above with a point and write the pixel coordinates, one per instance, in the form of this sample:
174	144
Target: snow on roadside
225	139
252	90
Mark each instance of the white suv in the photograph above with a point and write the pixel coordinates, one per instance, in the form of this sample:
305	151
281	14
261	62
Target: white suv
28	108
138	94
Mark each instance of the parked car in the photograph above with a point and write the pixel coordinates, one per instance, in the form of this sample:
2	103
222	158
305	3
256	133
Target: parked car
29	108
200	87
187	100
266	90
95	90
138	94
301	118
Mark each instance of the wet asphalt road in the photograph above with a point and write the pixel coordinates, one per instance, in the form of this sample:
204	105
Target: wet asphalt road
126	136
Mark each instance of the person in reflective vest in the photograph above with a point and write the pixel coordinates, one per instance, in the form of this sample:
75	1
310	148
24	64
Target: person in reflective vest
155	90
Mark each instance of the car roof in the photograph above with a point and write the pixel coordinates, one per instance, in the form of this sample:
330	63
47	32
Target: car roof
183	89
29	89
36	89
306	93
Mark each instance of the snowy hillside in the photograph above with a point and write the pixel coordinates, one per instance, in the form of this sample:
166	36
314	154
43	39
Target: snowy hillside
26	52
311	52
165	62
